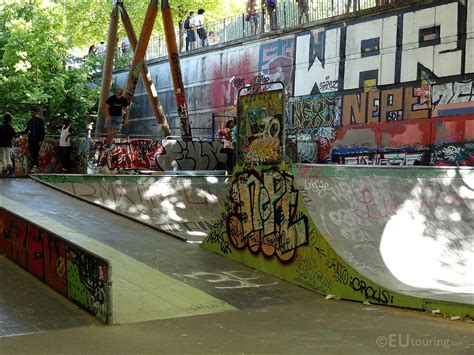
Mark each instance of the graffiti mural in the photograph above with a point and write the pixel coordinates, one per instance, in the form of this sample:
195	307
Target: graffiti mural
386	105
130	156
313	112
48	157
70	271
408	64
87	281
196	155
261	128
276	60
344	217
456	98
133	154
262	215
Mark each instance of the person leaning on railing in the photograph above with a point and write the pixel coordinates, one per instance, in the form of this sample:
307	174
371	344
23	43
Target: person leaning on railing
252	16
271	6
303	10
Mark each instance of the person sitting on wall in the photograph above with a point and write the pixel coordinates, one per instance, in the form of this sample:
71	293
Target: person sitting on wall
116	115
213	39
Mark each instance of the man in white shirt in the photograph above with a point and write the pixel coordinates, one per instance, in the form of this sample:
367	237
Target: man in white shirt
199	23
101	48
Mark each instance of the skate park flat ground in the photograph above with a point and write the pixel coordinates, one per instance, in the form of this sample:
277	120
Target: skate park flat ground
307	324
269	314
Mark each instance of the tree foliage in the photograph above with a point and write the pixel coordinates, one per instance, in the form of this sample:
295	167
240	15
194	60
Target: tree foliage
33	63
88	20
37	35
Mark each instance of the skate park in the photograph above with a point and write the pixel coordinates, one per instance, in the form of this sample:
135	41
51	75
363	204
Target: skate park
158	245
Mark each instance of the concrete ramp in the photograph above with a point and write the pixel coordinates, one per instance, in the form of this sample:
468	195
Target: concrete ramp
411	230
184	206
393	235
111	285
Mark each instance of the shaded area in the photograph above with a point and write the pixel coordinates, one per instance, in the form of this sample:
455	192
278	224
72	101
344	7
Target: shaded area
231	282
185	206
28	306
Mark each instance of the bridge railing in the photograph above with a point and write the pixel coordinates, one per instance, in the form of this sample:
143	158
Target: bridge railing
237	27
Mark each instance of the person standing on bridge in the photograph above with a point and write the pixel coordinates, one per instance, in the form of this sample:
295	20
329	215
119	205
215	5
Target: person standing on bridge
252	16
201	30
271	6
116	114
303	10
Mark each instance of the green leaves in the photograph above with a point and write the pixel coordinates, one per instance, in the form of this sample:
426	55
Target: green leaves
33	63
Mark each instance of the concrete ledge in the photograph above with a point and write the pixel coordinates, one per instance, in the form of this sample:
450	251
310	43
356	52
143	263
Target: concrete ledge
134	292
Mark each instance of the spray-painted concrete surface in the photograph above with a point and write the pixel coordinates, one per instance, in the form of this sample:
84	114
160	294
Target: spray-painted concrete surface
118	290
391	236
152	261
185	206
411	230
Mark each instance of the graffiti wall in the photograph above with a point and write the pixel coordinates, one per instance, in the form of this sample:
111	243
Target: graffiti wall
331	231
185	206
260	128
413	63
128	156
48	157
73	273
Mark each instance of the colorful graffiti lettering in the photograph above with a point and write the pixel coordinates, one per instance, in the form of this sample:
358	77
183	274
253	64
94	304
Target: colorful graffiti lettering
264	214
70	271
261	128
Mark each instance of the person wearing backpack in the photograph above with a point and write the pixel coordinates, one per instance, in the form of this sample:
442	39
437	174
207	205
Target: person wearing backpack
186	28
190	34
271	6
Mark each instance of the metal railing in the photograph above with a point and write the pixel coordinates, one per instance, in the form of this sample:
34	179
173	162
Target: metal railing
288	15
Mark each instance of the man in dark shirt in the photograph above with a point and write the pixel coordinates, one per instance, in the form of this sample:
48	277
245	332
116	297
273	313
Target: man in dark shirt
116	113
7	133
35	130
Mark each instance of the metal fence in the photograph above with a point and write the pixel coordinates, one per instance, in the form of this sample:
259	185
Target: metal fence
289	13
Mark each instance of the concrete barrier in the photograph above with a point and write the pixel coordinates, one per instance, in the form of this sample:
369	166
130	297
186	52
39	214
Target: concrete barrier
73	270
80	268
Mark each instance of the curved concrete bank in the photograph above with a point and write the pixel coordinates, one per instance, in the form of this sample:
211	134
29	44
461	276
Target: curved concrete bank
392	236
184	206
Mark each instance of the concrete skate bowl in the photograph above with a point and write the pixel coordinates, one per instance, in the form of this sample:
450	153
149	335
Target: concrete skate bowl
391	236
183	206
408	229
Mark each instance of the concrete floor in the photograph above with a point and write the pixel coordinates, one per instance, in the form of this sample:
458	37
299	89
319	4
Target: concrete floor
307	325
271	315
